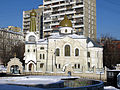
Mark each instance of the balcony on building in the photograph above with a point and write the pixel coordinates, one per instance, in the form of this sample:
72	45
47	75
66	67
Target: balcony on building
47	11
54	23
79	1
78	6
77	26
78	16
47	2
26	20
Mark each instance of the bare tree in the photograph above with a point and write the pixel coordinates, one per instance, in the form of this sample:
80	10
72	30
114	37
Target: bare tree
111	52
9	46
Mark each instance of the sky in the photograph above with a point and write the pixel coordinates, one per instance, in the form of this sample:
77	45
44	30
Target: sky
107	14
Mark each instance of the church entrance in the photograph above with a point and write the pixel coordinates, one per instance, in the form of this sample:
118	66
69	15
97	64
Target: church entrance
69	73
14	69
31	67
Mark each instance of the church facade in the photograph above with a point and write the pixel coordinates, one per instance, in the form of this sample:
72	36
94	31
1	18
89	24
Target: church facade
64	52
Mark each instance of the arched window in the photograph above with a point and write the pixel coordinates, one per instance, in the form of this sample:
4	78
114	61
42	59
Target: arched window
88	54
88	64
59	65
34	50
32	38
76	52
28	50
75	65
67	50
40	56
43	56
66	30
57	52
78	65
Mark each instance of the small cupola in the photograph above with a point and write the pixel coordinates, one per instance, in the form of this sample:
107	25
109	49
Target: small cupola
66	26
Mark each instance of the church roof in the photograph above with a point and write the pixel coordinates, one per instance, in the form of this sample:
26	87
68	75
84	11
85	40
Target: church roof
66	22
74	36
42	41
94	43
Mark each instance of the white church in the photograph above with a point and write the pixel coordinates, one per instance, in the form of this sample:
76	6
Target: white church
63	52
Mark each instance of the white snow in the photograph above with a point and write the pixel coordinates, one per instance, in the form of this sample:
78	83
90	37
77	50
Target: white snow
32	80
28	80
110	88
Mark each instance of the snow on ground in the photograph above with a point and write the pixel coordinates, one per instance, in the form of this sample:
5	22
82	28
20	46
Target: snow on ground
28	80
110	88
32	80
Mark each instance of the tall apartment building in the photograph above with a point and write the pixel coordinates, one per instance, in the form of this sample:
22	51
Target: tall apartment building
82	13
39	21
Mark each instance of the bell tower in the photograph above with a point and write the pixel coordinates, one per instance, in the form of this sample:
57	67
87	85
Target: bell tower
33	21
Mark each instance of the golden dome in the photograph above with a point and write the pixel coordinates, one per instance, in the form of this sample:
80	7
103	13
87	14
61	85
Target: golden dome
33	13
66	22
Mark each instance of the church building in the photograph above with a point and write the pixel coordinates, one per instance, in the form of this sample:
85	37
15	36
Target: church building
62	53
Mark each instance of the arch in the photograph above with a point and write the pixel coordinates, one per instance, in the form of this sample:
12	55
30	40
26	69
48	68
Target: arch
31	66
15	66
57	52
69	73
67	50
76	52
32	38
14	69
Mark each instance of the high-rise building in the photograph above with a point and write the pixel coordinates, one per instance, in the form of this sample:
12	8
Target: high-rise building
82	13
38	19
